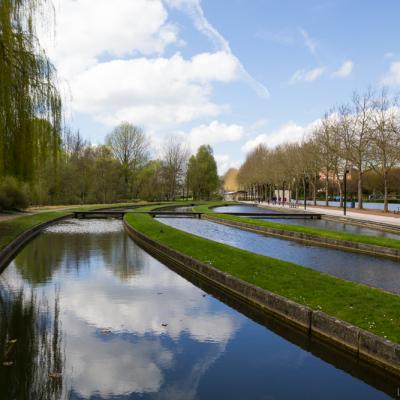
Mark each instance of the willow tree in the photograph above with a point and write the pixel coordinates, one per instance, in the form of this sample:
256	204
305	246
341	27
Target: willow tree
28	92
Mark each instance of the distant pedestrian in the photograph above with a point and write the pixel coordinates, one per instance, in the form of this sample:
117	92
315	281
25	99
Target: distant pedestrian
279	200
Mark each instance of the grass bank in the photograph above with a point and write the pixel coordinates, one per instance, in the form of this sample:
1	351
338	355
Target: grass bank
319	232
370	309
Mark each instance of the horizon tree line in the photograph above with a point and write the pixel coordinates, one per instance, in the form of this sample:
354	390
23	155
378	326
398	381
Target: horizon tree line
361	137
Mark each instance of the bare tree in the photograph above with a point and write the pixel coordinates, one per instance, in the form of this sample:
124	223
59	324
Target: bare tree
384	150
129	146
175	158
356	135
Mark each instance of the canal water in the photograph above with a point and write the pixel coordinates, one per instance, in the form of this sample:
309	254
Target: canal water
316	223
378	272
87	314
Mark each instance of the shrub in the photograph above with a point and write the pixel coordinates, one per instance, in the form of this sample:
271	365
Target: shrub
13	195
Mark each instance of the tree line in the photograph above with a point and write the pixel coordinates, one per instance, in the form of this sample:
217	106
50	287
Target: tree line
121	169
361	137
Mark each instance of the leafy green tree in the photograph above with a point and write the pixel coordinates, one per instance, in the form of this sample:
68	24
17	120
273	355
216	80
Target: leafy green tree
202	175
107	176
150	181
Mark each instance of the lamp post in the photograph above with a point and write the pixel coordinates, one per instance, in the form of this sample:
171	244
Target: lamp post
305	190
345	191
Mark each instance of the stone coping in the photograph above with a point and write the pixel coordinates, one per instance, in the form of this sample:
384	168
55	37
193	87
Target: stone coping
361	343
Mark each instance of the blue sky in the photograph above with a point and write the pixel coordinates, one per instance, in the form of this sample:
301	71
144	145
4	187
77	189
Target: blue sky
201	70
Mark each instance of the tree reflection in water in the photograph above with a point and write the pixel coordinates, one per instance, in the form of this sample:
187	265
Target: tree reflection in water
31	354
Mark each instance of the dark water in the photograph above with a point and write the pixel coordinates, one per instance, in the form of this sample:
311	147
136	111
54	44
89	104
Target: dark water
96	317
316	223
374	271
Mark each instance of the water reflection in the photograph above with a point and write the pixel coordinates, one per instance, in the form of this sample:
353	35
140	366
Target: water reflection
316	223
132	328
30	336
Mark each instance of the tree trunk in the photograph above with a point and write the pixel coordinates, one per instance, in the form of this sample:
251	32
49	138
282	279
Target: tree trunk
385	193
315	191
327	188
360	186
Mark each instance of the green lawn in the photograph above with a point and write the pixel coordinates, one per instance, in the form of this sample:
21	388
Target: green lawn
351	237
371	309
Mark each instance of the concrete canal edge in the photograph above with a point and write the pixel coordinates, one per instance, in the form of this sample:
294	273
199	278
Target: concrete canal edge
309	239
361	343
13	248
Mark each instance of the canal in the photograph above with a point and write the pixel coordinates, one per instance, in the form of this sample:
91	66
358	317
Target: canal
378	272
87	314
315	223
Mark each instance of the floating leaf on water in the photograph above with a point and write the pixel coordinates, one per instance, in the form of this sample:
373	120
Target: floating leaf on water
164	324
105	331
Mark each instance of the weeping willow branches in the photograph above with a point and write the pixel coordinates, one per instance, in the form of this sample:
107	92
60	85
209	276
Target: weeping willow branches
28	93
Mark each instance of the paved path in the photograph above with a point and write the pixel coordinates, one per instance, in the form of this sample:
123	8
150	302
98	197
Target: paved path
362	215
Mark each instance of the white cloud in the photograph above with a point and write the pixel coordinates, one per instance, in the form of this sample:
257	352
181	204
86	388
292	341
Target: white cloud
389	55
153	92
87	32
213	133
224	162
309	42
111	62
194	9
287	133
392	78
303	75
344	70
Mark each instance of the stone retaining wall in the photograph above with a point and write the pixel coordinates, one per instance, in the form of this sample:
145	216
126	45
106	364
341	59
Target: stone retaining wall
364	344
305	237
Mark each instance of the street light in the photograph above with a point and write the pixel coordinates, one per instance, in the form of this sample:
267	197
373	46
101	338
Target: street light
345	191
305	189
